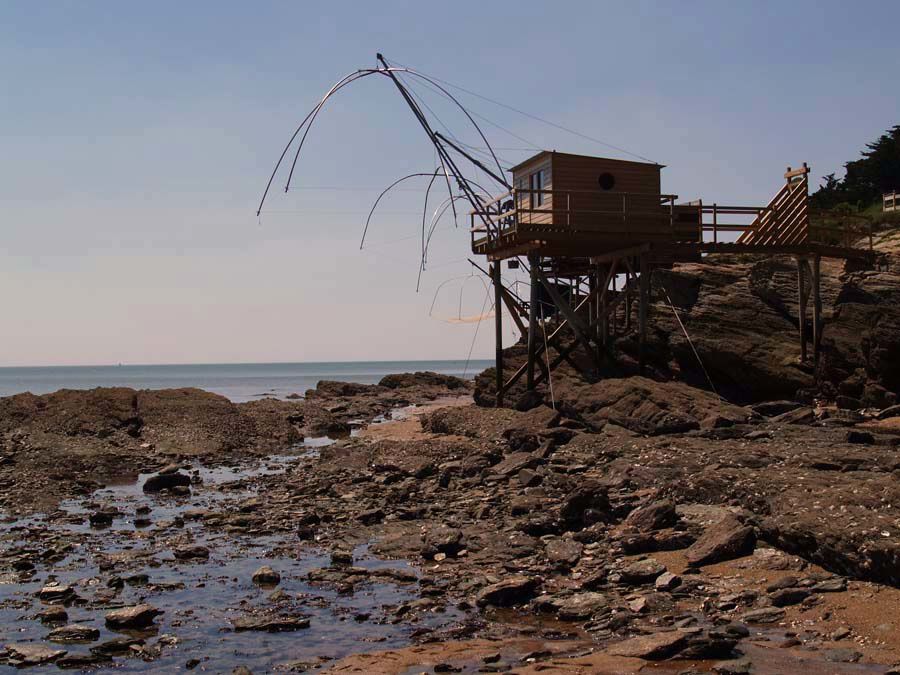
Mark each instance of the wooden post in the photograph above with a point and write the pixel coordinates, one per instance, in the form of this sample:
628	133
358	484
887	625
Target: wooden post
498	324
817	307
533	263
642	310
628	282
604	322
801	287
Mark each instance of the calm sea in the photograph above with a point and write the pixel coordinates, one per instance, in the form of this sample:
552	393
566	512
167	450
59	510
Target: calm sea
239	382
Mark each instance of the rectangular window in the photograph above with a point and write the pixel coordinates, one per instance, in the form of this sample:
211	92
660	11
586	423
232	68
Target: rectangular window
536	183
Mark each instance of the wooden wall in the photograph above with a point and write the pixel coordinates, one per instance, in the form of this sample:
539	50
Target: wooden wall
521	178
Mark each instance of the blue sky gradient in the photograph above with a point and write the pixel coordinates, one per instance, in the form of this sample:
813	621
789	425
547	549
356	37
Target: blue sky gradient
137	137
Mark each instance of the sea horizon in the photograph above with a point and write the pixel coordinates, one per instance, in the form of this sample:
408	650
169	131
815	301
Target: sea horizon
239	382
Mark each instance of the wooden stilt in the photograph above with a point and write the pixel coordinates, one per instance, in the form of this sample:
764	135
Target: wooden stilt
642	311
817	307
801	288
629	280
498	324
604	320
533	263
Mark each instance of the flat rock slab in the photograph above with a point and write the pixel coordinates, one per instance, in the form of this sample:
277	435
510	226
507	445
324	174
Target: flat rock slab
270	624
581	606
642	571
25	654
653	646
74	633
137	616
763	615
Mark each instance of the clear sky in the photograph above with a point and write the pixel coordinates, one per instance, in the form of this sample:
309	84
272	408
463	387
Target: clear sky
136	138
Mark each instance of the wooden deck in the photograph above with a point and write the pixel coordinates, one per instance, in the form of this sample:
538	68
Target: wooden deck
588	224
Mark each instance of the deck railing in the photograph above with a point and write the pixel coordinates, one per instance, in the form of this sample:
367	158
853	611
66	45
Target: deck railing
786	221
565	209
889	202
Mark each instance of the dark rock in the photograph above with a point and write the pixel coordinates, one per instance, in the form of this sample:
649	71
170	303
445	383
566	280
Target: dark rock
515	590
443	539
655	516
191	553
119	645
735	667
420	378
74	633
652	647
584	506
270	623
581	606
802	415
563	552
137	616
53	615
371	517
82	661
842	655
775	408
663	540
667	582
641	571
166	481
23	654
887	413
788	596
727	539
763	615
266	576
860	437
835	585
56	593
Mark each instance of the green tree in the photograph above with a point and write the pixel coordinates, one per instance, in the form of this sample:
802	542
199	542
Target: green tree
866	179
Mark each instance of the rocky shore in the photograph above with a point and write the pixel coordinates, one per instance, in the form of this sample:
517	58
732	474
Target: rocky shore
639	522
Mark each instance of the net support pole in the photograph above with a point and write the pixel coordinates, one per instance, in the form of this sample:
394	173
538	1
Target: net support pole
498	325
817	306
533	263
643	307
801	286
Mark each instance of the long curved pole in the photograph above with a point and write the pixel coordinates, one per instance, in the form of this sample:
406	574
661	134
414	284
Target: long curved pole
383	193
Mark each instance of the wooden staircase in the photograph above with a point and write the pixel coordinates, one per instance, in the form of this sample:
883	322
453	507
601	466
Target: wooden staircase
785	220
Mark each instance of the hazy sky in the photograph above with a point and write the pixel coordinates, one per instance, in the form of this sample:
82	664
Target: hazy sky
136	138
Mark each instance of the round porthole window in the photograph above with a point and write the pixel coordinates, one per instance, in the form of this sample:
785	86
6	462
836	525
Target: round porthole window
607	181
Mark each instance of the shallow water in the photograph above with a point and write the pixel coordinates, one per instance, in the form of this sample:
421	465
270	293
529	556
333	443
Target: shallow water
200	599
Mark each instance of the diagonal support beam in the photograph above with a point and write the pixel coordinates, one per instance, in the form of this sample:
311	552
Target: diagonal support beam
578	328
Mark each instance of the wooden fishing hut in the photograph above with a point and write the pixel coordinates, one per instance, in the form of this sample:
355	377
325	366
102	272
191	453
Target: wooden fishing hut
582	222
